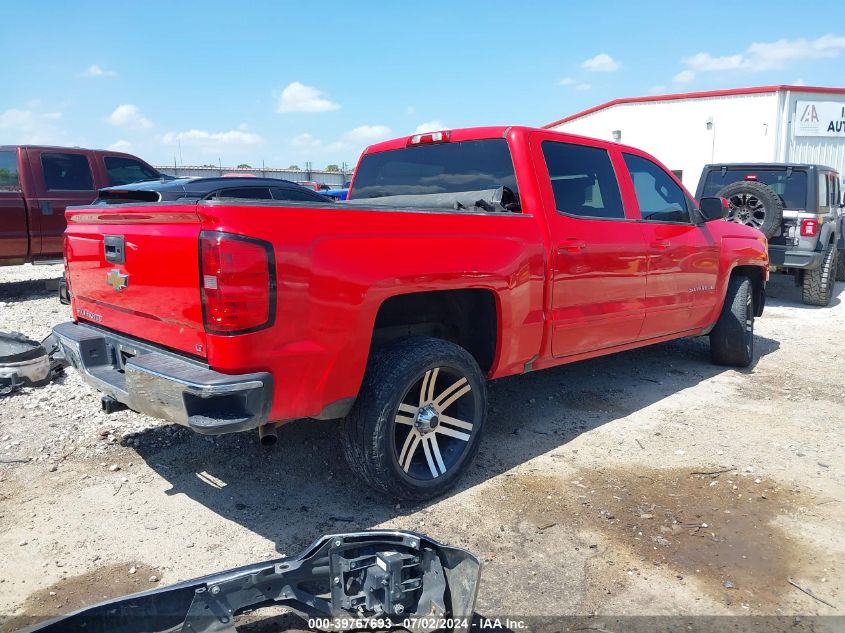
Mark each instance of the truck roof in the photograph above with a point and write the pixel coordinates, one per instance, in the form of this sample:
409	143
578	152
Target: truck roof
75	147
488	132
770	166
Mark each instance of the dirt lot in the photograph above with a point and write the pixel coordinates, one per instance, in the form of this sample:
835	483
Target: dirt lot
649	482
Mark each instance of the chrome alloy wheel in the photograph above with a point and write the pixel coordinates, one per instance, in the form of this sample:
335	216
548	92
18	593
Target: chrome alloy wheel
746	208
436	419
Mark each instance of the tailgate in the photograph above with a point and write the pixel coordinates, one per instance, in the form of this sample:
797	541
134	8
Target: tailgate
135	269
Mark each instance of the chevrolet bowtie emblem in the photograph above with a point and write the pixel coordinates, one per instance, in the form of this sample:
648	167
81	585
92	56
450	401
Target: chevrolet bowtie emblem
117	279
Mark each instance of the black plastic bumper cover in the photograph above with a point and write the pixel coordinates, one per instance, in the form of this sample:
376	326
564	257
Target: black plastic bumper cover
345	581
783	258
164	384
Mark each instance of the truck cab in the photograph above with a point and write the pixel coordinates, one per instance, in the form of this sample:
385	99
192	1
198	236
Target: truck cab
37	184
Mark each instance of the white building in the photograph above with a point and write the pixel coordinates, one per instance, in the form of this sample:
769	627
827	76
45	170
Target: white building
799	124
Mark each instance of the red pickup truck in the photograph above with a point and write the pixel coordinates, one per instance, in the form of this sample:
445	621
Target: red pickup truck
38	182
462	255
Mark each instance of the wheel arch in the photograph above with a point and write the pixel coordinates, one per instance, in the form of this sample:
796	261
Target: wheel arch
468	317
758	283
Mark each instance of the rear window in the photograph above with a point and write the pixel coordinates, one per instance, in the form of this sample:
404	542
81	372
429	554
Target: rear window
250	193
296	195
123	171
67	172
442	168
790	186
9	171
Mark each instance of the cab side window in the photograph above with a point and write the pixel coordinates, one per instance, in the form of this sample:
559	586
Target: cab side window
583	181
67	172
122	171
9	172
660	198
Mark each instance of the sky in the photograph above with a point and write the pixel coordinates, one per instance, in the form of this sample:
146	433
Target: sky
293	82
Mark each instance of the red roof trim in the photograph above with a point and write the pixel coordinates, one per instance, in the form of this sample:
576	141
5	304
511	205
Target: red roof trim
697	95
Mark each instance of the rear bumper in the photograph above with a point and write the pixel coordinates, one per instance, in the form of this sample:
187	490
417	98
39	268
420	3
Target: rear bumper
163	384
781	257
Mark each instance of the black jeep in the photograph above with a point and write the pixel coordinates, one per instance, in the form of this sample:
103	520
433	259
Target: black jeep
800	210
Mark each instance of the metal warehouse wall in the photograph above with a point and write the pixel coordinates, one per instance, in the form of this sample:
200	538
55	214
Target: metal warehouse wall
743	128
821	150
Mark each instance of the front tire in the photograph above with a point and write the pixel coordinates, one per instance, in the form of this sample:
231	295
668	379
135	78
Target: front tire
817	287
732	338
417	421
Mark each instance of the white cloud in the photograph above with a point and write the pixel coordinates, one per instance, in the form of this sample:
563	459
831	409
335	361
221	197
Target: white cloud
656	90
430	126
120	146
410	110
583	87
213	140
306	140
770	55
31	126
367	133
566	81
799	82
96	71
601	63
684	77
297	97
129	116
706	62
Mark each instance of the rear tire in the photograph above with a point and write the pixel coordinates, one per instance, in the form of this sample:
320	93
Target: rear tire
732	338
416	423
840	266
754	204
817	287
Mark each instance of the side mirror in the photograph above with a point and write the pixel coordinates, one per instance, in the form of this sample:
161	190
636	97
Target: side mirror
713	208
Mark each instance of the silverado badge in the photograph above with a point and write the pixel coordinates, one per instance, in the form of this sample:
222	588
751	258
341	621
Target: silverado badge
117	279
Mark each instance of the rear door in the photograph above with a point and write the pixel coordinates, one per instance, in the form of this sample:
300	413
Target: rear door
683	258
63	178
597	255
14	236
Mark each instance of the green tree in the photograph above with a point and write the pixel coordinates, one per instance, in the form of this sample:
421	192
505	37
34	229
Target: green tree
295	168
332	167
244	166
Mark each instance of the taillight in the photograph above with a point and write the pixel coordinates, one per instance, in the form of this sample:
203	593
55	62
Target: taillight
809	228
238	281
430	137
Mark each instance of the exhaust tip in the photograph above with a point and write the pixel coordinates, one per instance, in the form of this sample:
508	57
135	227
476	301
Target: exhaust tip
267	435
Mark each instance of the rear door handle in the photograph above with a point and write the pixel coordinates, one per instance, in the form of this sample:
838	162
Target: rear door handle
661	245
571	245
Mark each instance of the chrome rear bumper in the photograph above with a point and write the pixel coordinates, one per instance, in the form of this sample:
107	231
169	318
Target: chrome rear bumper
163	384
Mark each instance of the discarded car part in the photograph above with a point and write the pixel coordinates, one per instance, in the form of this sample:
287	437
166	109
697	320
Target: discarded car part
23	362
381	578
267	434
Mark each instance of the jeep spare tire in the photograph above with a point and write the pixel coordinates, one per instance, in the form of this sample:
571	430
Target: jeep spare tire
754	204
22	362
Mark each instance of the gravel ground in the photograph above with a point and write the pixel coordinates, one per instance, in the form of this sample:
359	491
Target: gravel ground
648	482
